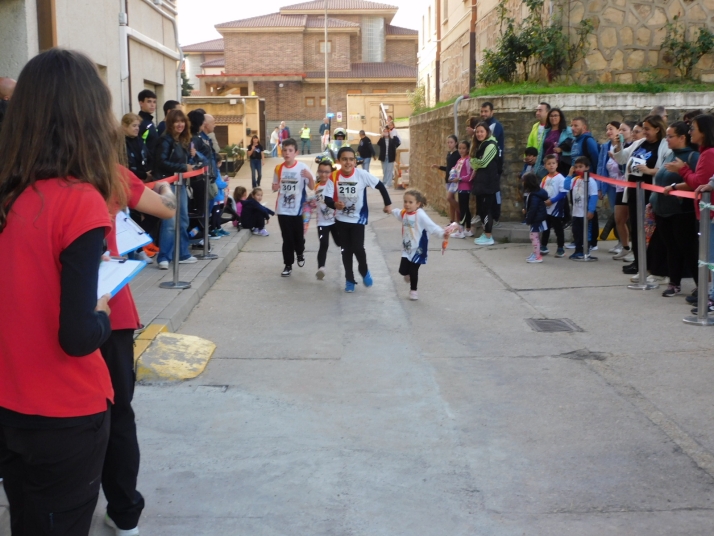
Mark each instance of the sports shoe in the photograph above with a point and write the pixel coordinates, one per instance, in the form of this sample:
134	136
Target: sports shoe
413	295
301	260
570	246
475	220
593	248
616	250
483	240
693	298
142	256
457	234
544	250
223	233
214	234
672	291
350	286
367	280
630	257
262	232
190	260
407	279
635	278
658	279
695	310
630	269
622	254
560	253
164	265
577	257
468	233
320	273
287	271
120	532
533	259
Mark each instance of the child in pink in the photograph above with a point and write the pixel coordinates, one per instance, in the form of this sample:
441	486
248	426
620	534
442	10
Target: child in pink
463	173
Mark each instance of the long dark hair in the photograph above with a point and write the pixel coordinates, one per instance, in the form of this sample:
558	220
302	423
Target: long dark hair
197	118
705	124
476	145
174	117
563	124
59	124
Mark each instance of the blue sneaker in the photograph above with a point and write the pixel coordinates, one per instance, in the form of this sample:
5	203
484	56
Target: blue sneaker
223	233
544	250
576	257
368	280
350	286
560	253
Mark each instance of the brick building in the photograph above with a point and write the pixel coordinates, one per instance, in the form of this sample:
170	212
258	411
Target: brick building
280	58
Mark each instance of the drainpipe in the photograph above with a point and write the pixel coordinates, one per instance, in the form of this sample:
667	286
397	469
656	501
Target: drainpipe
456	113
156	6
123	55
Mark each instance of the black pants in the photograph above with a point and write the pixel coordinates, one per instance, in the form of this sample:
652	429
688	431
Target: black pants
293	237
121	465
216	219
636	222
486	206
52	476
578	233
352	243
557	225
679	234
465	208
497	207
407	267
594	230
323	234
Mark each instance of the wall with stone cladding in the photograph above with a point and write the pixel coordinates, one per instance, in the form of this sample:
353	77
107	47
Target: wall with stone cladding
255	53
402	52
339	58
454	68
429	132
356	48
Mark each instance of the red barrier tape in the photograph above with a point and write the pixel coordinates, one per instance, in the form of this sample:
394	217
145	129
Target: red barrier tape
174	178
650	187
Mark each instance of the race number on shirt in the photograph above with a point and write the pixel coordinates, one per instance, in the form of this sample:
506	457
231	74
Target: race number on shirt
349	195
288	193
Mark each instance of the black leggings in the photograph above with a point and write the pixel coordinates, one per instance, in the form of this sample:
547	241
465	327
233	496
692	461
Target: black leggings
557	225
486	206
293	233
407	267
352	243
635	222
679	234
323	234
465	209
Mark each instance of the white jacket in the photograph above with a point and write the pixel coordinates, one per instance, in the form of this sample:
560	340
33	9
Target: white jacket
622	157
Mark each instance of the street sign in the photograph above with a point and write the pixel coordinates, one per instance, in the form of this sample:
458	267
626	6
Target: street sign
330	115
339	117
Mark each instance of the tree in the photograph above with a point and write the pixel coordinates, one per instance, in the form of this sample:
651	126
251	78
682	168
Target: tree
685	53
186	86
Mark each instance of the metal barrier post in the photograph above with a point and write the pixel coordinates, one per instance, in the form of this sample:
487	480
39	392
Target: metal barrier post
206	255
703	318
586	222
642	284
176	284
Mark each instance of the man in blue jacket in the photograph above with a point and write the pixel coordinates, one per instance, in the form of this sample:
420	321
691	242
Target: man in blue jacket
497	131
585	145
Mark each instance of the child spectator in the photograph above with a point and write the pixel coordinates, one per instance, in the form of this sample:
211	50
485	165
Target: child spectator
463	175
255	215
291	179
535	213
218	204
416	228
554	184
584	202
234	205
325	217
529	161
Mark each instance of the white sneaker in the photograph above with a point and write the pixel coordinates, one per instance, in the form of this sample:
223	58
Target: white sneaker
630	257
570	246
635	278
468	233
593	248
616	250
320	273
622	254
164	265
120	532
413	295
658	279
475	220
190	260
142	256
457	234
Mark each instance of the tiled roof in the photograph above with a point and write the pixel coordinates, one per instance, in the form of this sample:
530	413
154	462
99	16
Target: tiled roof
319	22
220	62
370	70
228	119
317	5
398	30
274	20
215	45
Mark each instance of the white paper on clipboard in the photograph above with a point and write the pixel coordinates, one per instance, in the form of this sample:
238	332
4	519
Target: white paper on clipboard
114	275
635	161
130	236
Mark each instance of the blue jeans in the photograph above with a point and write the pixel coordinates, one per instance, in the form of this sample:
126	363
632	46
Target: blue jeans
274	150
366	163
256	172
166	235
305	142
387	173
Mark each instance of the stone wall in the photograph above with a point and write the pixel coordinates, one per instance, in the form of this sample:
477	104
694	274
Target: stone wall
455	68
429	132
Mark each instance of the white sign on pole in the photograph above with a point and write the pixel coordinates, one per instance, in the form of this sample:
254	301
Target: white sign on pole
339	117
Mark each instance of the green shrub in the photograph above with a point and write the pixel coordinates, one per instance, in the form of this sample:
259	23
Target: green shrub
685	53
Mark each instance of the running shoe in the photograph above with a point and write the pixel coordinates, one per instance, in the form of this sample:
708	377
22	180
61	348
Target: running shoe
616	250
109	522
711	308
630	269
577	257
367	279
413	295
189	260
262	232
534	259
142	256
693	298
320	273
301	260
544	250
624	252
457	234
560	253
630	257
468	233
593	248
570	246
164	265
672	291
350	286
223	232
287	271
483	240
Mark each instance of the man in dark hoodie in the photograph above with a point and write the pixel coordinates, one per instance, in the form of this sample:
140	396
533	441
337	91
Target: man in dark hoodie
585	145
147	129
497	131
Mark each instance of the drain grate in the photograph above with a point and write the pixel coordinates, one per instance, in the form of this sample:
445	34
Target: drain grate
553	325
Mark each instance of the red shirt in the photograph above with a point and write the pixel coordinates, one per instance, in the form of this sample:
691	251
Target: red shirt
701	175
124	314
36	376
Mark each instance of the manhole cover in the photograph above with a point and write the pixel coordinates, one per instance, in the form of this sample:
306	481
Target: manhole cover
553	325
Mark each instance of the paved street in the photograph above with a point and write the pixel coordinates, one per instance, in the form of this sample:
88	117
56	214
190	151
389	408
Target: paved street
325	413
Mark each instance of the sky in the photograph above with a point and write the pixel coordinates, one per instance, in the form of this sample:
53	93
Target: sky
197	18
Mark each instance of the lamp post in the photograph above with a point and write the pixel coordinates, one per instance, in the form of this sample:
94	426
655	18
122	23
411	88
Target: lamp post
327	83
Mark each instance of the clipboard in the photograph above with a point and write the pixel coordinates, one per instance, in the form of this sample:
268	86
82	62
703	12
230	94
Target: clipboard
115	275
130	236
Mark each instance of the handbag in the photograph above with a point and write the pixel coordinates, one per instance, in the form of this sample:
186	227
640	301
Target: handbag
212	189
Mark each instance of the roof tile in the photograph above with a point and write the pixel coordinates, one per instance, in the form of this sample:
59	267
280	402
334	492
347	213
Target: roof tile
398	30
273	20
219	62
319	22
319	5
214	45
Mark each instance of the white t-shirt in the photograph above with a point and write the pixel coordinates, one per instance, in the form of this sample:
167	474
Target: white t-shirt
554	186
325	214
293	189
352	191
275	138
580	200
416	228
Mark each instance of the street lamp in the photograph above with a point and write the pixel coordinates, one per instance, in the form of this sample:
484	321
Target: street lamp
327	83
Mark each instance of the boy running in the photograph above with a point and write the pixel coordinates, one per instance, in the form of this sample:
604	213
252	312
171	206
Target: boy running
347	193
325	216
290	180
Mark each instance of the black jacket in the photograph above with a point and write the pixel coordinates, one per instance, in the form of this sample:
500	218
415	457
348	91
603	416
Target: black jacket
204	152
137	154
253	212
169	157
393	144
451	160
536	211
487	180
148	132
365	148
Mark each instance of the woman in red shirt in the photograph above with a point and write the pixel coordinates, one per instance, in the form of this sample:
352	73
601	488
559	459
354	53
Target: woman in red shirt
58	171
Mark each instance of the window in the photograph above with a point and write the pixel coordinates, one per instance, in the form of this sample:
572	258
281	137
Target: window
323	101
309	102
429	26
322	47
354	91
465	57
423	31
446	10
379	91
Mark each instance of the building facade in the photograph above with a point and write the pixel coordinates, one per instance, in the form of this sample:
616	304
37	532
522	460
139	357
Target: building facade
133	42
280	57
